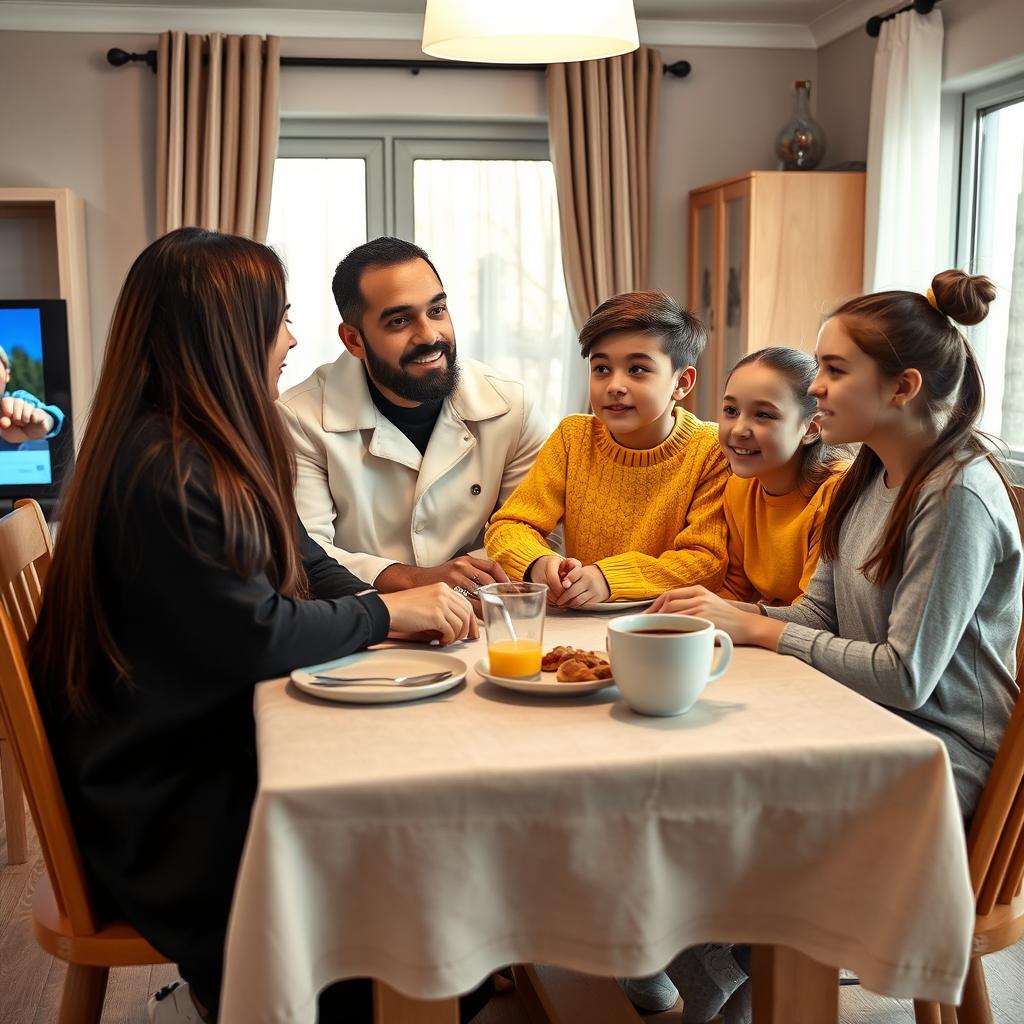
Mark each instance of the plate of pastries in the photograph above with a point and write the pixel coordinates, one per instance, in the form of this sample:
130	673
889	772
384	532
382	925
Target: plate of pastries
565	671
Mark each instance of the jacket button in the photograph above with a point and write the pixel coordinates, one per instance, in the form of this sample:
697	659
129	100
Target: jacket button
475	489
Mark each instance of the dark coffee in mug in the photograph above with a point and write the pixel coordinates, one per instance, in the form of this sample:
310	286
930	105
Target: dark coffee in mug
663	632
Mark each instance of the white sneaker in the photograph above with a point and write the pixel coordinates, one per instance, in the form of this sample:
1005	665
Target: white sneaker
173	1005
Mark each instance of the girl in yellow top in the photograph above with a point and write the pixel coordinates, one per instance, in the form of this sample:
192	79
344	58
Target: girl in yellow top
638	485
783	477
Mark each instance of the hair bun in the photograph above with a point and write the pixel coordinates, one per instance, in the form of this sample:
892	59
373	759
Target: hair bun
963	297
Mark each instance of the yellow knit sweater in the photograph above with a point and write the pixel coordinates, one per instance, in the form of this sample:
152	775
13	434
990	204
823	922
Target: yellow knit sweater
650	520
774	540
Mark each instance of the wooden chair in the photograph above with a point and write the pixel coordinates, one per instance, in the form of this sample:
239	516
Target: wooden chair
995	851
63	921
25	550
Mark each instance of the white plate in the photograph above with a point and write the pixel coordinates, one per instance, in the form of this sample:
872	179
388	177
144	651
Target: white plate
616	606
381	663
544	684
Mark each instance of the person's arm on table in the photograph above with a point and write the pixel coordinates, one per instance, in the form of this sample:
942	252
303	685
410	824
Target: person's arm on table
951	549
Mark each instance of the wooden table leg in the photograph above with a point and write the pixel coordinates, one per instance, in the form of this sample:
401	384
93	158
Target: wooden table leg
391	1007
556	995
790	988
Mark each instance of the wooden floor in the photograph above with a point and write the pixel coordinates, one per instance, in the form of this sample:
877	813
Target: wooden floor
30	980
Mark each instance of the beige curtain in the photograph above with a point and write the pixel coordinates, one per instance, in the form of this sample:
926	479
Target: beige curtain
217	129
603	120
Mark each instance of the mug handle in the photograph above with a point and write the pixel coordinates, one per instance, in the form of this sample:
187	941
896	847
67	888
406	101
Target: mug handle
724	658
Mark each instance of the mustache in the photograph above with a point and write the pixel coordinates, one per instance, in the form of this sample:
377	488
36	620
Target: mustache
428	350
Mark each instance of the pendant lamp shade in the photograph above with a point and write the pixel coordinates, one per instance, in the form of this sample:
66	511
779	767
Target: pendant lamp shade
529	31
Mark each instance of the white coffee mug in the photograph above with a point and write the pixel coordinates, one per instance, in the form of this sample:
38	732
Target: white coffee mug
661	663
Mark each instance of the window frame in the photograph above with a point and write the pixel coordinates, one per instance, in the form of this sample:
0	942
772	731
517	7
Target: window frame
977	103
390	146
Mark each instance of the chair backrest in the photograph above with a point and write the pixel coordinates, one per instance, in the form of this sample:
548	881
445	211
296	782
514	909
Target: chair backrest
24	561
996	841
25	550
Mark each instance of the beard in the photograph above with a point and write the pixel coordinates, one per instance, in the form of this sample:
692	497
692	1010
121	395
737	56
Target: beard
432	386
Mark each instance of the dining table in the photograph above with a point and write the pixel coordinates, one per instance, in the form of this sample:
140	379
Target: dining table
428	843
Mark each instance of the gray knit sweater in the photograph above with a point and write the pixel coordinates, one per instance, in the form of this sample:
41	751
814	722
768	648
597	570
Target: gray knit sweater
936	644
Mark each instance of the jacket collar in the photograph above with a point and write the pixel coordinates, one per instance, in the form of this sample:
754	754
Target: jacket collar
347	404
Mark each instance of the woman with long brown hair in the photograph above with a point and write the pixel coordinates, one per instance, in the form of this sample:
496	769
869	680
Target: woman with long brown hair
916	602
182	577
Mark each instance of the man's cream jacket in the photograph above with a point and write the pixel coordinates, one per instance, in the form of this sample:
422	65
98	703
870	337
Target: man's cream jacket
368	497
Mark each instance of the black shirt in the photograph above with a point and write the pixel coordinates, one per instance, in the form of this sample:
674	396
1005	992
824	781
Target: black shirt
416	423
161	777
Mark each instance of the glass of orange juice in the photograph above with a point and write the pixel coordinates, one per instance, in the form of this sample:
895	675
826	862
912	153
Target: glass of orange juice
514	625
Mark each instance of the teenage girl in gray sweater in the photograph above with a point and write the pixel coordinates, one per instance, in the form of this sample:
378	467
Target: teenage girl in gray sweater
916	602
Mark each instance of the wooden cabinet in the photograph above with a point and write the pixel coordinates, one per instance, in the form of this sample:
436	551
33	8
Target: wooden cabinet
42	256
770	253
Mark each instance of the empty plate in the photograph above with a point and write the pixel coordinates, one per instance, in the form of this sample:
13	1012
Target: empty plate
381	663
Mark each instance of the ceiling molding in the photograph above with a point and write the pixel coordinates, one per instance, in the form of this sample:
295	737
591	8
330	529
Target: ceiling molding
846	17
725	33
146	19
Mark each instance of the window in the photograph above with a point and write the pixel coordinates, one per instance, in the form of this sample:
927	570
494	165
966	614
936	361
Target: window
991	241
480	199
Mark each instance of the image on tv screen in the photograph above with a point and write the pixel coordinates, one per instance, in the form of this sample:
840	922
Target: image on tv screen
27	422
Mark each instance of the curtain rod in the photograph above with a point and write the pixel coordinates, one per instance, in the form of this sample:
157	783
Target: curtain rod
119	57
874	25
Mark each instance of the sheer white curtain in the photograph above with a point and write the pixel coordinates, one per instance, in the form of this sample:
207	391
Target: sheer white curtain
903	154
491	229
317	214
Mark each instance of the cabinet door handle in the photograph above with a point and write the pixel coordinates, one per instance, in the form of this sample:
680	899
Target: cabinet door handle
711	320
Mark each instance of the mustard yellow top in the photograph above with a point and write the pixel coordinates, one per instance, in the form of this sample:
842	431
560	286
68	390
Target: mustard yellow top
650	519
774	541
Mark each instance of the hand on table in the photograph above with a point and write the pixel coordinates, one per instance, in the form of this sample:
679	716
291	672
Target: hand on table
429	613
583	585
466	571
20	421
743	622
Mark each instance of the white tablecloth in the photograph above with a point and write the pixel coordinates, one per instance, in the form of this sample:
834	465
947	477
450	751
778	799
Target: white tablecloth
428	843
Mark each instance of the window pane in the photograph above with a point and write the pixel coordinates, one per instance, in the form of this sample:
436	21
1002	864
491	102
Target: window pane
317	214
995	236
491	228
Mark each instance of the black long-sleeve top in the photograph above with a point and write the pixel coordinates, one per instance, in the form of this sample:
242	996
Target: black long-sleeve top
161	776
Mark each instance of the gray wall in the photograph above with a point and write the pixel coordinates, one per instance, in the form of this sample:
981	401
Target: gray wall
844	95
71	120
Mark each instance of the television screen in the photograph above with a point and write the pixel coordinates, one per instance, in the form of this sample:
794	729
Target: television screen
36	446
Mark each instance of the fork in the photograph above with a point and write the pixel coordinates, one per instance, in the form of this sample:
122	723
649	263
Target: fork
427	677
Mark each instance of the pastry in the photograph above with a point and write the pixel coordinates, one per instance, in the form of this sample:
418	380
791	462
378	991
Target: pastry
589	667
555	657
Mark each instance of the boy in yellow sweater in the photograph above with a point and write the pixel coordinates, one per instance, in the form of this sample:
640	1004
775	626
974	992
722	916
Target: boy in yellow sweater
638	485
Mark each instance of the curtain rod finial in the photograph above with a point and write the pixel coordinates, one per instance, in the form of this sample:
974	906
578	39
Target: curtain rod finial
680	69
118	58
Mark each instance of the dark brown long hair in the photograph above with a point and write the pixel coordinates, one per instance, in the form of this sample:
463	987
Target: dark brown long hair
902	330
818	460
189	344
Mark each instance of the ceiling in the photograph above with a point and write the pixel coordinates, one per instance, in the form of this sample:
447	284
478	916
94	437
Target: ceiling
771	23
778	11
